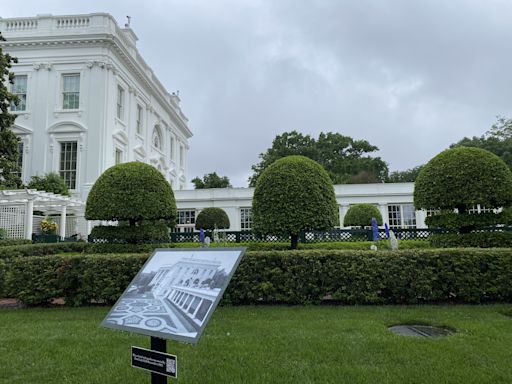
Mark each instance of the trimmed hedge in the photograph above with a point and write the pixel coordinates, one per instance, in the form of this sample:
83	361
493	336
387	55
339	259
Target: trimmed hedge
8	242
8	252
126	248
211	218
360	215
146	232
291	277
473	239
2	277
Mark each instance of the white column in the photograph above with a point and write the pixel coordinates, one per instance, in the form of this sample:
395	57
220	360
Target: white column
384	213
29	219
343	211
420	218
62	231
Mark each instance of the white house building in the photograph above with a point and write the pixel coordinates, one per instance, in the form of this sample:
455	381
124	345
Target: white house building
89	101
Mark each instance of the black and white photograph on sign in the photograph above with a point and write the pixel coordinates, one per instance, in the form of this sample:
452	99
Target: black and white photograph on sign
175	293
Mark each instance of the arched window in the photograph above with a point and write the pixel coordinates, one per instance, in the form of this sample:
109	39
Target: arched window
157	138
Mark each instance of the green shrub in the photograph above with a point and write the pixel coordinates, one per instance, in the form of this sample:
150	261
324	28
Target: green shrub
93	248
3	234
211	218
473	240
452	220
293	194
9	252
461	178
290	277
360	215
152	231
8	242
2	278
51	182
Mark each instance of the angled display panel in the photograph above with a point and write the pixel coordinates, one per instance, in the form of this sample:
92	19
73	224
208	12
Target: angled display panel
175	293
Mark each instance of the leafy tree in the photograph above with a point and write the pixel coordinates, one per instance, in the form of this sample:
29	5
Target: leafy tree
497	140
409	175
9	168
346	160
51	182
360	215
293	194
135	193
211	218
211	180
460	178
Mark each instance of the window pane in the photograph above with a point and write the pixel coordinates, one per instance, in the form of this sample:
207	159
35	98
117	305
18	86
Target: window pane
19	88
68	156
71	91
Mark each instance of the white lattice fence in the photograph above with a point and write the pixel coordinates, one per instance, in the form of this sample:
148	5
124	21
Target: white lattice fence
12	219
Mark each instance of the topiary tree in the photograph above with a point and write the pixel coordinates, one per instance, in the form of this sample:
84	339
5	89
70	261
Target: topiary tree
293	194
360	215
51	182
211	218
134	193
460	178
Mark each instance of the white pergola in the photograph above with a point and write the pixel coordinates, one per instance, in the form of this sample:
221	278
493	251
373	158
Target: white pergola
49	203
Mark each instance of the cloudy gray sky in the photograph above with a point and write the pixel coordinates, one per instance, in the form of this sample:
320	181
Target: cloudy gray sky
411	77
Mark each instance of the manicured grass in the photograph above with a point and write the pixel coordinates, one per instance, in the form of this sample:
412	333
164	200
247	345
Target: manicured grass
278	344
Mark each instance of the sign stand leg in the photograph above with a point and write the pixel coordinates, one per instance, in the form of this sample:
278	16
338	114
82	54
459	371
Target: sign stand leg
159	345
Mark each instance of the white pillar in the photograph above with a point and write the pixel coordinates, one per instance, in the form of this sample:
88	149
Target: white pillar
384	213
343	211
62	231
29	219
420	218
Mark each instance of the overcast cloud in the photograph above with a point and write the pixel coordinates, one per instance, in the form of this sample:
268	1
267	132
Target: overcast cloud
412	77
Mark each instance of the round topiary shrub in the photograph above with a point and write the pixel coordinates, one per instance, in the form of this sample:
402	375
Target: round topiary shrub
360	215
460	178
211	218
131	192
293	194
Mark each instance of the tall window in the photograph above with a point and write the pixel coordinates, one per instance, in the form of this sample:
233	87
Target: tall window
401	216
186	217
157	138
140	116
119	156
67	170
19	88
245	219
71	91
120	102
20	159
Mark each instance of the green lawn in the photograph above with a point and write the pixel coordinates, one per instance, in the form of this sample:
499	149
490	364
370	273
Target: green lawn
320	344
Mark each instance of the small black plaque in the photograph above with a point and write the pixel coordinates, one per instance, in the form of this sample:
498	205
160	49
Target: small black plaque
157	362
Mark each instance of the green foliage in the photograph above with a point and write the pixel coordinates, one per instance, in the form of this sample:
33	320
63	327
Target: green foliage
131	192
293	194
3	234
472	240
95	248
409	175
6	97
211	218
2	278
211	180
346	160
289	277
460	178
8	242
9	167
51	182
27	250
144	232
360	215
452	220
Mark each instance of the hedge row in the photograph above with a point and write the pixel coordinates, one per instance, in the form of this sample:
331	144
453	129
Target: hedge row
474	239
40	249
298	277
2	277
8	242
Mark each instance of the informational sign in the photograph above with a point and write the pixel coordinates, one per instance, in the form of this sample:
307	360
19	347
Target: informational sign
175	293
157	362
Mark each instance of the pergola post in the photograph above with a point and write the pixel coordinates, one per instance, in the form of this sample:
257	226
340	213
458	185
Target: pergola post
62	229
29	219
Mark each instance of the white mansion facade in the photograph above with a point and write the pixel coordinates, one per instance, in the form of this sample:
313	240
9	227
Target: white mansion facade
89	101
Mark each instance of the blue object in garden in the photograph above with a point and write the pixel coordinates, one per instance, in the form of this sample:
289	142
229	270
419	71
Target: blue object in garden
386	228
375	229
201	235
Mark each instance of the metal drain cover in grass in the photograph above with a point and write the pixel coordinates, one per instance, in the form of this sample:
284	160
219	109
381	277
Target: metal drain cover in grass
420	330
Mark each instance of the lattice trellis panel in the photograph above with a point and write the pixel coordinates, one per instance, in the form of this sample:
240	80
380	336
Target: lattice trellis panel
12	219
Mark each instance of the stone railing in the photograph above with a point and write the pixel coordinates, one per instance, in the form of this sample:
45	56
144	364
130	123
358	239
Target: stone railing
21	25
73	22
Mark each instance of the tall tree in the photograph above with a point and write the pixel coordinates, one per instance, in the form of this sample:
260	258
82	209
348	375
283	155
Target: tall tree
211	180
409	175
346	160
9	168
497	140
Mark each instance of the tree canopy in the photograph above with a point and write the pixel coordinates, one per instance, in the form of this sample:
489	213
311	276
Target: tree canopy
346	160
360	215
51	182
293	194
212	218
407	176
211	180
9	168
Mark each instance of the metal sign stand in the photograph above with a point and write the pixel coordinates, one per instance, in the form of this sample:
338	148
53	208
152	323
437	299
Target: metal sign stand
159	345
